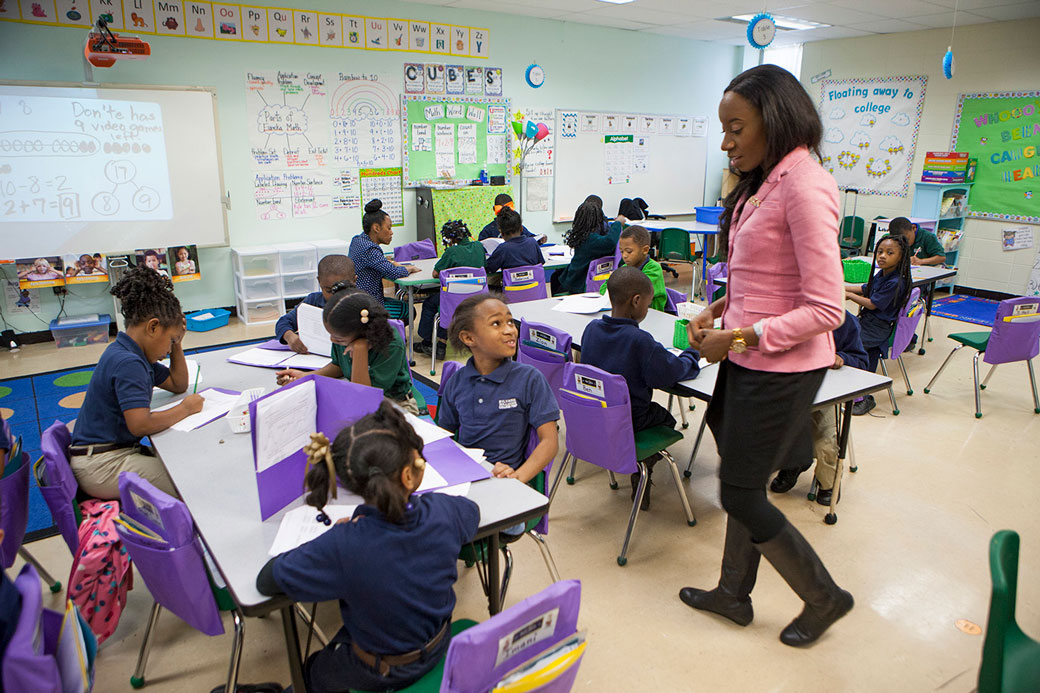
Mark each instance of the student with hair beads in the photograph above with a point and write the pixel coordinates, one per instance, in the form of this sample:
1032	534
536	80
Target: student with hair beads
370	265
365	348
397	608
116	411
459	251
493	230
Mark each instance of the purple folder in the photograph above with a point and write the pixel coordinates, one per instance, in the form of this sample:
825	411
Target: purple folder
340	403
274	345
453	464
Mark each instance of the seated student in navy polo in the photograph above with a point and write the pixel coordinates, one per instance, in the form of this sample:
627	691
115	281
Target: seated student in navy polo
517	250
393	567
333	270
492	402
371	266
116	410
492	230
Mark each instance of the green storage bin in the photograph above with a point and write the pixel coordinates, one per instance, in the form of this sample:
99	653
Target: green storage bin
856	271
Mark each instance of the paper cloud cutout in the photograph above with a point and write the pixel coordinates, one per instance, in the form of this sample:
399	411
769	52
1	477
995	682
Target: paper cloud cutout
860	139
837	113
833	135
891	145
868	120
901	119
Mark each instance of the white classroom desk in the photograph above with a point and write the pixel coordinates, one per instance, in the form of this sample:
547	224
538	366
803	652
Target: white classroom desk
694	228
213	471
556	256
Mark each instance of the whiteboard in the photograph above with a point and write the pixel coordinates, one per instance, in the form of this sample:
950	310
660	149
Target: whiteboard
108	168
670	179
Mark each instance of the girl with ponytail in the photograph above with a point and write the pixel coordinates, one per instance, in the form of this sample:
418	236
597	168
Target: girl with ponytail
392	566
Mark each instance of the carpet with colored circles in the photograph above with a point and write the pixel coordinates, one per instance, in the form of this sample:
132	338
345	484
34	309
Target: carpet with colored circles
31	404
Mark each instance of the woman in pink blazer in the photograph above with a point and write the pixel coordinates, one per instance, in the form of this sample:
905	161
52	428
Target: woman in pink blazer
784	297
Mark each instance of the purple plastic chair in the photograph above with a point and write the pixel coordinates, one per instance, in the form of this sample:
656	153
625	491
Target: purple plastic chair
550	362
475	661
598	414
457	284
58	484
599	271
524	283
416	250
1015	337
674	298
906	326
719	269
173	569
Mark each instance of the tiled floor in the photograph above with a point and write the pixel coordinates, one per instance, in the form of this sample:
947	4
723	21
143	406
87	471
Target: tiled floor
911	544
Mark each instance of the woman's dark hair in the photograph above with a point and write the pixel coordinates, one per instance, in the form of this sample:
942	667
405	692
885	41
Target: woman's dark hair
374	214
454	232
588	220
368	457
508	222
144	294
789	121
465	317
342	314
903	268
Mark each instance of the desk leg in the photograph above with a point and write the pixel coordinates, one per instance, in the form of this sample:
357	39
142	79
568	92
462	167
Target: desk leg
704	267
927	314
843	445
696	446
411	326
494	580
292	646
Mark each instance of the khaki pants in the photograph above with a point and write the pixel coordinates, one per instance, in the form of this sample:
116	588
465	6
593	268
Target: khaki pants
98	474
409	404
825	446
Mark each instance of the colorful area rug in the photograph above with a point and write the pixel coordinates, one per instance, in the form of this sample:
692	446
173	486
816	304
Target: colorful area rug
978	311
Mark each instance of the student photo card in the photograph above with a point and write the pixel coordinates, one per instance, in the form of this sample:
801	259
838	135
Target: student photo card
85	268
185	261
154	258
40	272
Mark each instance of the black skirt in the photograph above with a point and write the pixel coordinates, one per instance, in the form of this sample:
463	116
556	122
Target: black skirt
761	422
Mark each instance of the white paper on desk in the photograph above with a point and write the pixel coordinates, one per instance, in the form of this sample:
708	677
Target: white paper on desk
311	362
258	357
193	372
215	404
431	479
583	304
300	526
284	422
312	329
428	431
475	454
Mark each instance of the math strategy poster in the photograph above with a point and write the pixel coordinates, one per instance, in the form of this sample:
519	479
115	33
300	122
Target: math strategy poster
870	131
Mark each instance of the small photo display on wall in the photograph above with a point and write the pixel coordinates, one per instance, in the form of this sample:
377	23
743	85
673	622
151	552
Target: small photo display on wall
85	268
185	259
153	258
40	272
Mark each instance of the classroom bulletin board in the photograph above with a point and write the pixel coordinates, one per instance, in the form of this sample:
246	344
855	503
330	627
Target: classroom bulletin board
1002	131
451	139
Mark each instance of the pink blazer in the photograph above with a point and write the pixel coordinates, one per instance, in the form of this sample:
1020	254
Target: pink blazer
785	268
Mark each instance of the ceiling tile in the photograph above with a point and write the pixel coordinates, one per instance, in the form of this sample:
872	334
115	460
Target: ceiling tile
831	14
1006	13
516	10
970	5
636	12
690	10
888	26
945	19
824	34
599	20
893	9
562	6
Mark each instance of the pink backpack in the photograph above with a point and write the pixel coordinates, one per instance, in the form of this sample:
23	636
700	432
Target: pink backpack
101	571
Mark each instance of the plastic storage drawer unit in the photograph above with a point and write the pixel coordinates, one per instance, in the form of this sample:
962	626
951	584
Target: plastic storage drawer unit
265	310
295	285
256	261
297	257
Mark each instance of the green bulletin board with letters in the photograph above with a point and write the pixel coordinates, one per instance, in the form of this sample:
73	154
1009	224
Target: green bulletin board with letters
1002	130
420	117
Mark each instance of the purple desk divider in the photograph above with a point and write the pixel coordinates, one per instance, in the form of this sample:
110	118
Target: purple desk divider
453	464
340	403
274	345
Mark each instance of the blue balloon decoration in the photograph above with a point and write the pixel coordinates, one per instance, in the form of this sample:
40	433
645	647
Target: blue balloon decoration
947	63
530	130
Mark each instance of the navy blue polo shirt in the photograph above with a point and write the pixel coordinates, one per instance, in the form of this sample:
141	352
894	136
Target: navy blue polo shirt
122	380
288	321
883	294
517	251
848	345
494	411
619	346
394	582
371	266
491	231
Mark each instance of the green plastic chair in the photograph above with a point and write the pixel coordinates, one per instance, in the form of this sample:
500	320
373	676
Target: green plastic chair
431	681
851	238
1010	658
675	245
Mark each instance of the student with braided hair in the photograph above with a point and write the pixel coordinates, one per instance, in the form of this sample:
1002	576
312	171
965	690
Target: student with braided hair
116	411
396	609
459	251
366	349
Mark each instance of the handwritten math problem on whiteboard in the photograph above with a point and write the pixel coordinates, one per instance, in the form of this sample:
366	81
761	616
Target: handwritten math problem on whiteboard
64	159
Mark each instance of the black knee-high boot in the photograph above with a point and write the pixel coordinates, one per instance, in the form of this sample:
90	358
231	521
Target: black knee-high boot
732	598
798	564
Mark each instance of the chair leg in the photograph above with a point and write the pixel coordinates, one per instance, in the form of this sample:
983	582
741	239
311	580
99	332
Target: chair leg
309	619
54	585
236	652
690	519
852	455
697	444
559	475
1032	381
574	465
433	356
543	546
988	376
506	574
935	377
137	680
891	392
906	376
978	393
613	480
640	490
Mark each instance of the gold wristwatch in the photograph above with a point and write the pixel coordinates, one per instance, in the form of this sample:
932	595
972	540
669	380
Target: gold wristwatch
739	344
